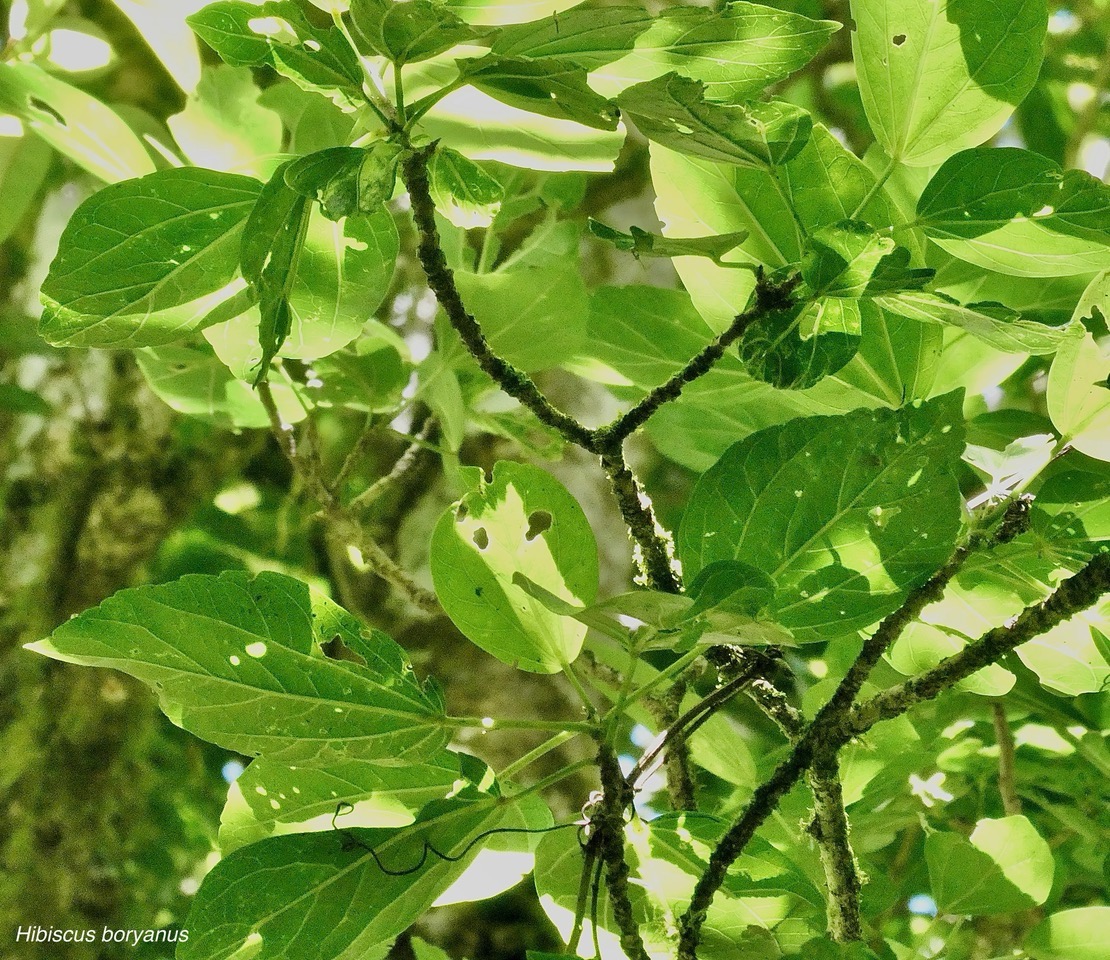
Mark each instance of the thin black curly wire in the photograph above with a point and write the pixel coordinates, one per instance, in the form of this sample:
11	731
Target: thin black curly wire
350	841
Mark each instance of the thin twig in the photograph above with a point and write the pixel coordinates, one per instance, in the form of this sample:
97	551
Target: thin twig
1007	785
404	464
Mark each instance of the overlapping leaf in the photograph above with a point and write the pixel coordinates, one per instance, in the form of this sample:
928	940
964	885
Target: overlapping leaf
237	661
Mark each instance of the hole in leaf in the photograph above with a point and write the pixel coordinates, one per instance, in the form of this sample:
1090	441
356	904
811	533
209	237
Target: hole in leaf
336	649
538	522
44	107
481	538
899	39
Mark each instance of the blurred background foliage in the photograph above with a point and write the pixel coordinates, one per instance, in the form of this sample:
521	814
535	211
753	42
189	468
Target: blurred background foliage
108	813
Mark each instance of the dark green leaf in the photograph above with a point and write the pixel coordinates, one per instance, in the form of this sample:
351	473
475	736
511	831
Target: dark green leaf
1016	212
795	348
347	180
146	261
237	660
845	513
463	191
523	521
672	110
551	88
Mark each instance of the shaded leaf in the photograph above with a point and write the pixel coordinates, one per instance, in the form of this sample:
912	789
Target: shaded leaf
640	243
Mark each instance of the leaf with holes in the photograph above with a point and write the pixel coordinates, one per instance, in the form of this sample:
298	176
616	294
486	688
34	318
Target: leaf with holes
522	521
237	661
937	77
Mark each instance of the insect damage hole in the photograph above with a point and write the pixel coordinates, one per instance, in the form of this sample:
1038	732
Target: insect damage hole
43	107
899	39
480	538
538	522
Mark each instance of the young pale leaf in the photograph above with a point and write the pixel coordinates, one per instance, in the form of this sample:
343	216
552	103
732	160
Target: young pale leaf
1013	211
941	76
1078	934
589	36
406	32
992	323
147	261
796	348
640	243
845	514
522	521
737	51
278	34
496	12
237	661
843	260
334	895
274	799
1079	394
551	88
74	123
672	110
1004	867
463	191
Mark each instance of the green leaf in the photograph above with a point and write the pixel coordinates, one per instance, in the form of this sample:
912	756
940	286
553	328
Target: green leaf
74	123
327	896
1078	934
269	256
1013	211
672	110
640	243
589	36
1070	659
923	646
1078	398
992	323
347	180
275	799
522	521
237	661
533	313
551	88
167	33
737	52
146	261
192	380
938	77
845	514
497	12
844	260
406	32
278	34
14	399
224	127
1004	867
24	163
796	348
463	191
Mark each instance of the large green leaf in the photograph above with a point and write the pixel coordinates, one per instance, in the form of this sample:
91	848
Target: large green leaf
1078	934
496	12
274	799
672	110
1004	867
237	661
737	51
940	76
406	32
464	192
334	895
147	261
74	123
1016	212
343	273
521	522
845	513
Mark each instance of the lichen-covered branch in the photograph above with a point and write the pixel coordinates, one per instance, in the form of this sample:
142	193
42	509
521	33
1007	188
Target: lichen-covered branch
1072	596
830	830
680	784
